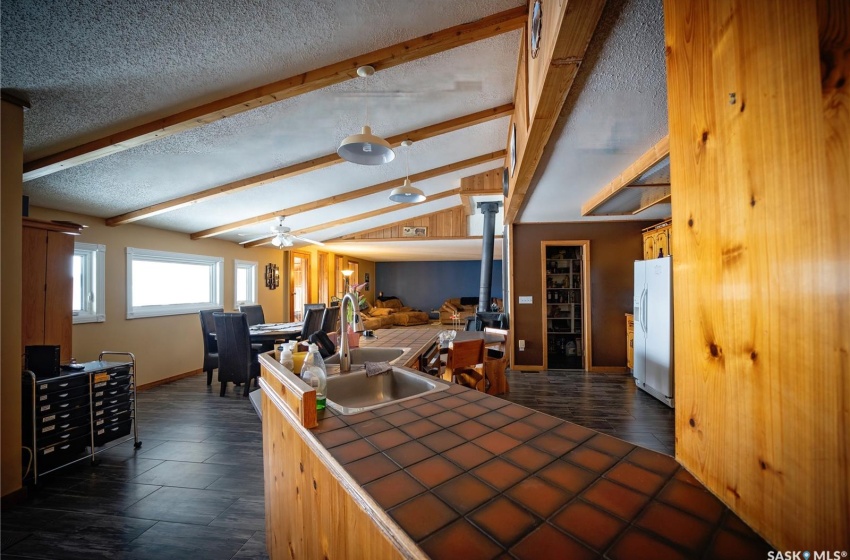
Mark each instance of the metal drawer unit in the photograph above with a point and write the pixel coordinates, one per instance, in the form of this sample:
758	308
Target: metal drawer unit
74	416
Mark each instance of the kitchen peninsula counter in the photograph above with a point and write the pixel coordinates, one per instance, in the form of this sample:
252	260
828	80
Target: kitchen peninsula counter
460	474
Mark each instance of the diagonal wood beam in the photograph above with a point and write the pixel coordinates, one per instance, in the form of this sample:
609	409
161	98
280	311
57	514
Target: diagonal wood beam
646	160
351	236
306	166
562	58
356	218
313	80
351	195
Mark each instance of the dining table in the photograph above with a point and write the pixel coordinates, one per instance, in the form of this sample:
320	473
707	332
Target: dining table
267	333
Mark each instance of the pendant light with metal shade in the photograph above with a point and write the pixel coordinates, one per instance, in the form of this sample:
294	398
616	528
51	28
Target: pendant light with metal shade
407	192
366	148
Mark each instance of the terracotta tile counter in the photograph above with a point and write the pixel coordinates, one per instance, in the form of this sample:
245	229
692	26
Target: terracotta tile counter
460	474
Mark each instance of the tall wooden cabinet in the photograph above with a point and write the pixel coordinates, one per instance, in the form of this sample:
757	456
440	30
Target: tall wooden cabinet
565	320
48	283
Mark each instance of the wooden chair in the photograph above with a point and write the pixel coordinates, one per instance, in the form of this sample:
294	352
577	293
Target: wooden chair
496	360
464	363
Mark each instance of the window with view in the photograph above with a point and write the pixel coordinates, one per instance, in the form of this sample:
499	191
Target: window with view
245	283
164	283
88	304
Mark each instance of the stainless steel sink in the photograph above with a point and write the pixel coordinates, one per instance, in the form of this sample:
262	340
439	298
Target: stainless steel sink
363	355
351	393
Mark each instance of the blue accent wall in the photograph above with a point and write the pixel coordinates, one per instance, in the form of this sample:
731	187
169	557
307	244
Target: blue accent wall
426	285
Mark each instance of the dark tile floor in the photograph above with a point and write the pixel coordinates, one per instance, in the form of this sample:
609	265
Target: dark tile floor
608	403
195	489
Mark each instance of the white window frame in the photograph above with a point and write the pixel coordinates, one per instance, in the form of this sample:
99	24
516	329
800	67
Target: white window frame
93	279
216	279
253	288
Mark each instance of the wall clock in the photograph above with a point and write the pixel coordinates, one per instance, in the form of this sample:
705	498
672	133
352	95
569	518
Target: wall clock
513	148
536	27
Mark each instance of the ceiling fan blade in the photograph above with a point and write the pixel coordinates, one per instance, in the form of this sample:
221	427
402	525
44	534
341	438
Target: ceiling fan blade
314	242
267	236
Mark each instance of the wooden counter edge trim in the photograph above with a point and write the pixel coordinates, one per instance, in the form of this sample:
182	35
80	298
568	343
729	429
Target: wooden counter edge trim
395	534
298	397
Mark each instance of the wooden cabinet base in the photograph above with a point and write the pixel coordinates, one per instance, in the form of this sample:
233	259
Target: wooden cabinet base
314	509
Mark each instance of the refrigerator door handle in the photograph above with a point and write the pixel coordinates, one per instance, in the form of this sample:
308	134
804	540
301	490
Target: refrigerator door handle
644	314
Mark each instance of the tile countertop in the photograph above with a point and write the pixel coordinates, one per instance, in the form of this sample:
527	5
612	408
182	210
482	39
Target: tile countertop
417	340
467	475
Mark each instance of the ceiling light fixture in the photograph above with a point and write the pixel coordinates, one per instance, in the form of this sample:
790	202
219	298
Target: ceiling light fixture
407	192
366	148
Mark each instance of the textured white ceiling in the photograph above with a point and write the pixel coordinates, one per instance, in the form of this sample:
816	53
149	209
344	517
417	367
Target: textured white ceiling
615	112
94	67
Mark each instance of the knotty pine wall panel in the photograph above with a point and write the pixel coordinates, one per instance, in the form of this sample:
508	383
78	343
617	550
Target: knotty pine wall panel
759	145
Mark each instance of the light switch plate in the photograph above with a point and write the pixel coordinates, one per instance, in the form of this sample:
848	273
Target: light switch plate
525	299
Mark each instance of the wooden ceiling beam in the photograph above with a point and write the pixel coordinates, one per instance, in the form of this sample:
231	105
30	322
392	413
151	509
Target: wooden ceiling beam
622	181
351	195
312	80
556	67
356	218
416	135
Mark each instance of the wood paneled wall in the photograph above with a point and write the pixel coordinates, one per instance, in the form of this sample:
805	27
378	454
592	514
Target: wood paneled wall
451	223
760	148
614	246
11	190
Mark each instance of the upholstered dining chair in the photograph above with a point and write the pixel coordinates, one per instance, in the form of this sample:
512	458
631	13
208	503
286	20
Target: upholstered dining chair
312	322
330	319
255	314
307	306
464	363
210	344
237	359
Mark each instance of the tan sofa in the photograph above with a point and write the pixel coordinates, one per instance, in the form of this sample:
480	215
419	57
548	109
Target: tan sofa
464	307
389	313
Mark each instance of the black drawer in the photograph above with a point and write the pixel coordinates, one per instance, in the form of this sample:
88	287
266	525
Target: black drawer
58	454
61	395
111	391
69	382
64	416
61	425
109	433
118	416
107	402
111	411
47	409
62	435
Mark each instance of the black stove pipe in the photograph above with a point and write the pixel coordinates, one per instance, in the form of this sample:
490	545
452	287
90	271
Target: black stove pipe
489	210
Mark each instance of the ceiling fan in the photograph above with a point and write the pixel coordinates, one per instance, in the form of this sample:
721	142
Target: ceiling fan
281	236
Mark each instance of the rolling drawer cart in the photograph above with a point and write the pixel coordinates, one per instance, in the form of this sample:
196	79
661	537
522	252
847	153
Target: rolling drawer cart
78	414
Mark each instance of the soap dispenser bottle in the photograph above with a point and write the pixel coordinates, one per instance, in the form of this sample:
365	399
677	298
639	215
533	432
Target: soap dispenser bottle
313	372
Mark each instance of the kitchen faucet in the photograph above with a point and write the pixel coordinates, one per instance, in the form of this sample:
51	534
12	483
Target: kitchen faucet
344	351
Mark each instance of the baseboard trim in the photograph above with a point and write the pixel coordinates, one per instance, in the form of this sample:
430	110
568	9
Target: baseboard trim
13	498
157	383
520	368
609	369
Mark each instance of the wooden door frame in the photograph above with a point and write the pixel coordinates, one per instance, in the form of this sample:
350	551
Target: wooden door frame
306	257
585	298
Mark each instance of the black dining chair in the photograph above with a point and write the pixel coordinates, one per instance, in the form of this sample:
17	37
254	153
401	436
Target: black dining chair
307	306
312	323
237	358
255	314
210	343
330	319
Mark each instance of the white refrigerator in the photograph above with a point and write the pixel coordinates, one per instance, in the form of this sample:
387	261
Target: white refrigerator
653	351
